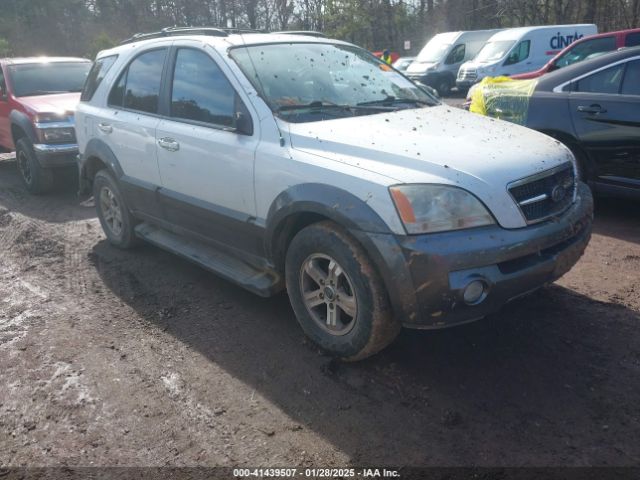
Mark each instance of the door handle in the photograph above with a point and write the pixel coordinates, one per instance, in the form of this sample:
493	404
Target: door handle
168	144
592	109
105	127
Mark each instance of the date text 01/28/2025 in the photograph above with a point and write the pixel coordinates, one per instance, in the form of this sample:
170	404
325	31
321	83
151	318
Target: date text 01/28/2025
315	473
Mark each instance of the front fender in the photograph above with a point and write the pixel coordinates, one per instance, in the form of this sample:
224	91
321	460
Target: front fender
22	121
352	213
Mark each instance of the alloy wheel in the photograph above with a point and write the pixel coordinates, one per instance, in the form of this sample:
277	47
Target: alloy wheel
328	294
111	211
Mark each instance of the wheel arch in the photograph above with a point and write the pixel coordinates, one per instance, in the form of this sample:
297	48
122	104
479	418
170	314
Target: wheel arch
21	127
97	156
305	204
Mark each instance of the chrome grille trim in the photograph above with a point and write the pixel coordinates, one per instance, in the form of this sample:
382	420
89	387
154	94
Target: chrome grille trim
536	195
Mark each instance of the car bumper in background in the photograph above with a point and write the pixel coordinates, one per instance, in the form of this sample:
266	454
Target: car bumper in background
427	275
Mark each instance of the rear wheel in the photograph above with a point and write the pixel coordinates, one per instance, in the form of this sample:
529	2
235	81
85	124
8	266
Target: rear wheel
116	220
37	180
338	297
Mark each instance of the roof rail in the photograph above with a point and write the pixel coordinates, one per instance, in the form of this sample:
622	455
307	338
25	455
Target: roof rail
308	33
174	31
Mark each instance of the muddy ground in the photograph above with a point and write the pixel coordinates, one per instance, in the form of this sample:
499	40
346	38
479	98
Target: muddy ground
140	358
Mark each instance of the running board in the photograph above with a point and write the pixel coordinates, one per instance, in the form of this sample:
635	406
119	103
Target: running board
261	282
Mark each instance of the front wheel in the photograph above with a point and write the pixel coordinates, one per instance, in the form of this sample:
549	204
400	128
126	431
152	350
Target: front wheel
37	180
443	87
336	294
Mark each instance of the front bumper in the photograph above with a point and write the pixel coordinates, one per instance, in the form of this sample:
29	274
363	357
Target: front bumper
426	274
466	84
56	155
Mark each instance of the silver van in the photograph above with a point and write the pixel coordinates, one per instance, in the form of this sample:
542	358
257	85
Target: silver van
438	62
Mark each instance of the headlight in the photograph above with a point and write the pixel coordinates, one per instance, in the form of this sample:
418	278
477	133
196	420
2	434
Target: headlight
55	127
58	135
438	208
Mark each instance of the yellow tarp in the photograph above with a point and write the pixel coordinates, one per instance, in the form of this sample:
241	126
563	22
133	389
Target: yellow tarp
503	98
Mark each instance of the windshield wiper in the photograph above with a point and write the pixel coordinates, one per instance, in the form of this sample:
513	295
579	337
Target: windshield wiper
316	104
391	100
44	92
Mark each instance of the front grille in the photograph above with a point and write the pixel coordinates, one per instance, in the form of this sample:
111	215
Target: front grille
468	74
546	194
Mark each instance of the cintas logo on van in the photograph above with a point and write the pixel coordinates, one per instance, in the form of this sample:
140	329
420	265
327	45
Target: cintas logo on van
559	41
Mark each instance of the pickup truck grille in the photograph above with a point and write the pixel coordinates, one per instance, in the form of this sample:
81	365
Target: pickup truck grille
546	194
468	74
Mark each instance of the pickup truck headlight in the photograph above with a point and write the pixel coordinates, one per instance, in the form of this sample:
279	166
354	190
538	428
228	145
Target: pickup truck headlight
438	208
55	128
58	135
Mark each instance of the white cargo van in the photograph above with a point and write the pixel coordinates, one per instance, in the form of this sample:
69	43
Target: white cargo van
520	50
438	62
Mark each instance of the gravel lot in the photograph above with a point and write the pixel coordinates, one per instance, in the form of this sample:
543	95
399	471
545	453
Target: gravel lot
139	358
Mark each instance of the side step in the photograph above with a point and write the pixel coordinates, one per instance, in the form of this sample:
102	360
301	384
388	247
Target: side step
260	282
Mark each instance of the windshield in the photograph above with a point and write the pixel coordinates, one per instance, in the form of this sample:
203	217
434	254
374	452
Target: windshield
47	78
344	79
493	51
434	51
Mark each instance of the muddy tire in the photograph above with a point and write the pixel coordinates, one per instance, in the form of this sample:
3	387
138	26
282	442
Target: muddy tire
116	220
336	294
36	180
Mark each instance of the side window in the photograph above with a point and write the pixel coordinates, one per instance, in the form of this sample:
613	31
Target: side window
456	55
586	49
606	81
95	77
520	53
3	86
138	87
631	83
632	40
200	91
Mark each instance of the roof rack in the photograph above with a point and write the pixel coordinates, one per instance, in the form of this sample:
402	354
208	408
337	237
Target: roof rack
174	31
308	33
212	32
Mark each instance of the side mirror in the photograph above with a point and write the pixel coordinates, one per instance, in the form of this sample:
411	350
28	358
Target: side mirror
243	123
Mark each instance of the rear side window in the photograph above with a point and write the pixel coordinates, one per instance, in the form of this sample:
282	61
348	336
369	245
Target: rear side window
95	77
632	40
606	81
138	87
631	83
200	90
520	53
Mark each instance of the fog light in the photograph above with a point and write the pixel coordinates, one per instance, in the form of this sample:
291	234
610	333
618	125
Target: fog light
474	293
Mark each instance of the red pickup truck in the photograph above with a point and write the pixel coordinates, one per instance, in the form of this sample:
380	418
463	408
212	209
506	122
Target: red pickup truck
38	97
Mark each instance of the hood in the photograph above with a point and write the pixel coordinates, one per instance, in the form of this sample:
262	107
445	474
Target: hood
57	103
420	67
442	144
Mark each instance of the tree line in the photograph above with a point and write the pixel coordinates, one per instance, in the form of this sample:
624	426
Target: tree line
83	27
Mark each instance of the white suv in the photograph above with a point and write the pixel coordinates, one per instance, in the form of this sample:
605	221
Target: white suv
290	161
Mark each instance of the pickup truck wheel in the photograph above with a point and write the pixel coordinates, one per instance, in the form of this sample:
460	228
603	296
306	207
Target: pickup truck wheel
37	180
116	220
336	294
